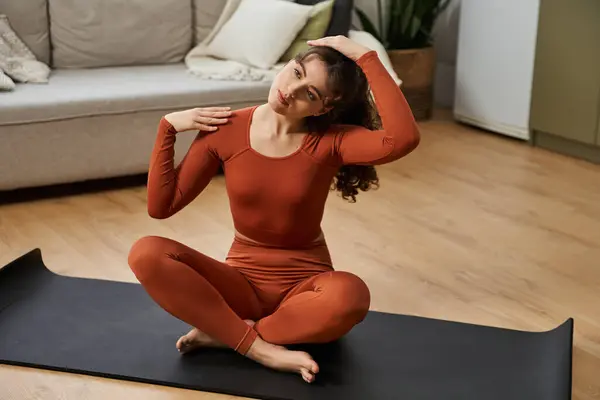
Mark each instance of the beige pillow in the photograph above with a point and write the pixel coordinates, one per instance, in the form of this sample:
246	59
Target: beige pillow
100	33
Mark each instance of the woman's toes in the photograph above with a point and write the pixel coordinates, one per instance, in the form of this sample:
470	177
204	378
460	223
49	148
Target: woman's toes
314	368
307	375
311	366
181	344
309	370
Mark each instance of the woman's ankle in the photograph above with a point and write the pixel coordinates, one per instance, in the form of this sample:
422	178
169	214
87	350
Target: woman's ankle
258	349
247	340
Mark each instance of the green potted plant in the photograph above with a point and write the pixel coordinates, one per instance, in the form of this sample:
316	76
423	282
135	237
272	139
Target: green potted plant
405	30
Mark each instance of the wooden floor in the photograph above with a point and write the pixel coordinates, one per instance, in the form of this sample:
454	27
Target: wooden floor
471	227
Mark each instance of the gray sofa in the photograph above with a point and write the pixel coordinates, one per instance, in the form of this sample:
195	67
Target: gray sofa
117	68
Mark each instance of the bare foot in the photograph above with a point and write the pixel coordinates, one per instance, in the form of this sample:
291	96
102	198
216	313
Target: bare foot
196	339
282	359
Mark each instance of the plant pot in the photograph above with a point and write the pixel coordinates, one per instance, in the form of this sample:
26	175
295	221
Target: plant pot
416	69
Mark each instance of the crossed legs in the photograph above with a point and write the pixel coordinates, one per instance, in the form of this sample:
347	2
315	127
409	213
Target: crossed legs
219	302
319	310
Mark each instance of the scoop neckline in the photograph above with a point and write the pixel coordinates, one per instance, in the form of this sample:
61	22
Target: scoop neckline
258	153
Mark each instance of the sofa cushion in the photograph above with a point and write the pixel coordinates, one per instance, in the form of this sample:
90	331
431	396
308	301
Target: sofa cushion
29	19
116	90
206	15
99	33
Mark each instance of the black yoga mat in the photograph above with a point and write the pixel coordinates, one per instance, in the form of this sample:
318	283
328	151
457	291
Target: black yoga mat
114	330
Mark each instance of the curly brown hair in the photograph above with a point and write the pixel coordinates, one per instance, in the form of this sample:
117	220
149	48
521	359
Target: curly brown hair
352	104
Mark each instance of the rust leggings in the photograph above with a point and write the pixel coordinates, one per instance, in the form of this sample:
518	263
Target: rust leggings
295	296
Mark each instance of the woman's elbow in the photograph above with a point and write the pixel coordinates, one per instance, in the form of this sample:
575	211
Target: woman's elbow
415	138
406	144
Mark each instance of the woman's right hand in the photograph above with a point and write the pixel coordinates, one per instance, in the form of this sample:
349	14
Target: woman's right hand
203	119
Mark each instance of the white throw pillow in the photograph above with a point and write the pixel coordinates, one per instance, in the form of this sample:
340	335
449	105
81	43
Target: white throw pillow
259	32
6	84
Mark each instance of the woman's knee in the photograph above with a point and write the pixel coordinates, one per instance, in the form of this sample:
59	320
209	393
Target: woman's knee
144	254
349	294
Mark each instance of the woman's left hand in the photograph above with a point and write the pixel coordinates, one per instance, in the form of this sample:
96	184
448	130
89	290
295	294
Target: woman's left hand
344	45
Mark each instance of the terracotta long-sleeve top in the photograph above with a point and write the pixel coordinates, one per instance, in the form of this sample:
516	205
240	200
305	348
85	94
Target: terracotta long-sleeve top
279	201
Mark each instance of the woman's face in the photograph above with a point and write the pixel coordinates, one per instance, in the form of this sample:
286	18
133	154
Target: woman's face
300	89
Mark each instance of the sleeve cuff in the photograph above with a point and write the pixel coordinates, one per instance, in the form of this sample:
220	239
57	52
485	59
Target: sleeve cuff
167	127
368	56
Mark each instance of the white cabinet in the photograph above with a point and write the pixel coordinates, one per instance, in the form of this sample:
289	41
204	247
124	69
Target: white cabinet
495	63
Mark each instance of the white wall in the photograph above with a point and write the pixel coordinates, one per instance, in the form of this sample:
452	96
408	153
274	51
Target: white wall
446	38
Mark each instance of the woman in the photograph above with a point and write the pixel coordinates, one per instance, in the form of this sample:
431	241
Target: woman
277	285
